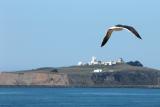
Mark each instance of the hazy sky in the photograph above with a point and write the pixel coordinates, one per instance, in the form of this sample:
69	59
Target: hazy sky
39	33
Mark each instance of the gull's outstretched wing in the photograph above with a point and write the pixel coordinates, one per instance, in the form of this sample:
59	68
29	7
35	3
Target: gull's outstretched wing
108	34
131	29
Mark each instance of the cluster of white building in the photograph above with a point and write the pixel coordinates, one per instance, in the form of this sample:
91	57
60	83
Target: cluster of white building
94	61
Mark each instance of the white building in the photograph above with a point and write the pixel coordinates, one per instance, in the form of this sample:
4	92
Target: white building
107	63
97	70
94	61
120	60
80	63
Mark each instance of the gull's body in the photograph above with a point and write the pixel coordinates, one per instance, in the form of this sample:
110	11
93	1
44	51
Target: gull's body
119	28
116	28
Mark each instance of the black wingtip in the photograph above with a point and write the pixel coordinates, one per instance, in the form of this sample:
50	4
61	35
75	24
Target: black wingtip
140	37
102	45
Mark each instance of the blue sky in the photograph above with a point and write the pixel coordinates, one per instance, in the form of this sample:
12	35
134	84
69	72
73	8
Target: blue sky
39	33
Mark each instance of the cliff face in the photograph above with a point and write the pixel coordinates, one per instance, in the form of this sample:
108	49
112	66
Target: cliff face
31	78
127	78
116	79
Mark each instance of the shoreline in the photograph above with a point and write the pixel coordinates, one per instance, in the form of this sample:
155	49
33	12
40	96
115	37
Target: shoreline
48	86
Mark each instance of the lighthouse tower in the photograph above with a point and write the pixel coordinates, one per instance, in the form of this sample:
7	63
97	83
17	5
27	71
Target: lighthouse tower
94	61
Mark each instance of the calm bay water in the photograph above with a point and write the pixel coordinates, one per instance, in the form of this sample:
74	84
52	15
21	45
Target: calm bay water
79	97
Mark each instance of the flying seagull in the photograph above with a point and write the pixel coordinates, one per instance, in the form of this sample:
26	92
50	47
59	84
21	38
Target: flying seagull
119	28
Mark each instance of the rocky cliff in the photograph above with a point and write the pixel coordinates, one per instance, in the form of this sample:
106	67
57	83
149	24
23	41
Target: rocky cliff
34	78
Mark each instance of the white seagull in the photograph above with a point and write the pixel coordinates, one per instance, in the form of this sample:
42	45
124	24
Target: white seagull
119	28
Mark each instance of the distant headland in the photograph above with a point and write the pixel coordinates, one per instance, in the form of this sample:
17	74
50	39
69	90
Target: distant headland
95	73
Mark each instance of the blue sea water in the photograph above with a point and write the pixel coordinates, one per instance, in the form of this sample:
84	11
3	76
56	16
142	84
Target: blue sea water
79	97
